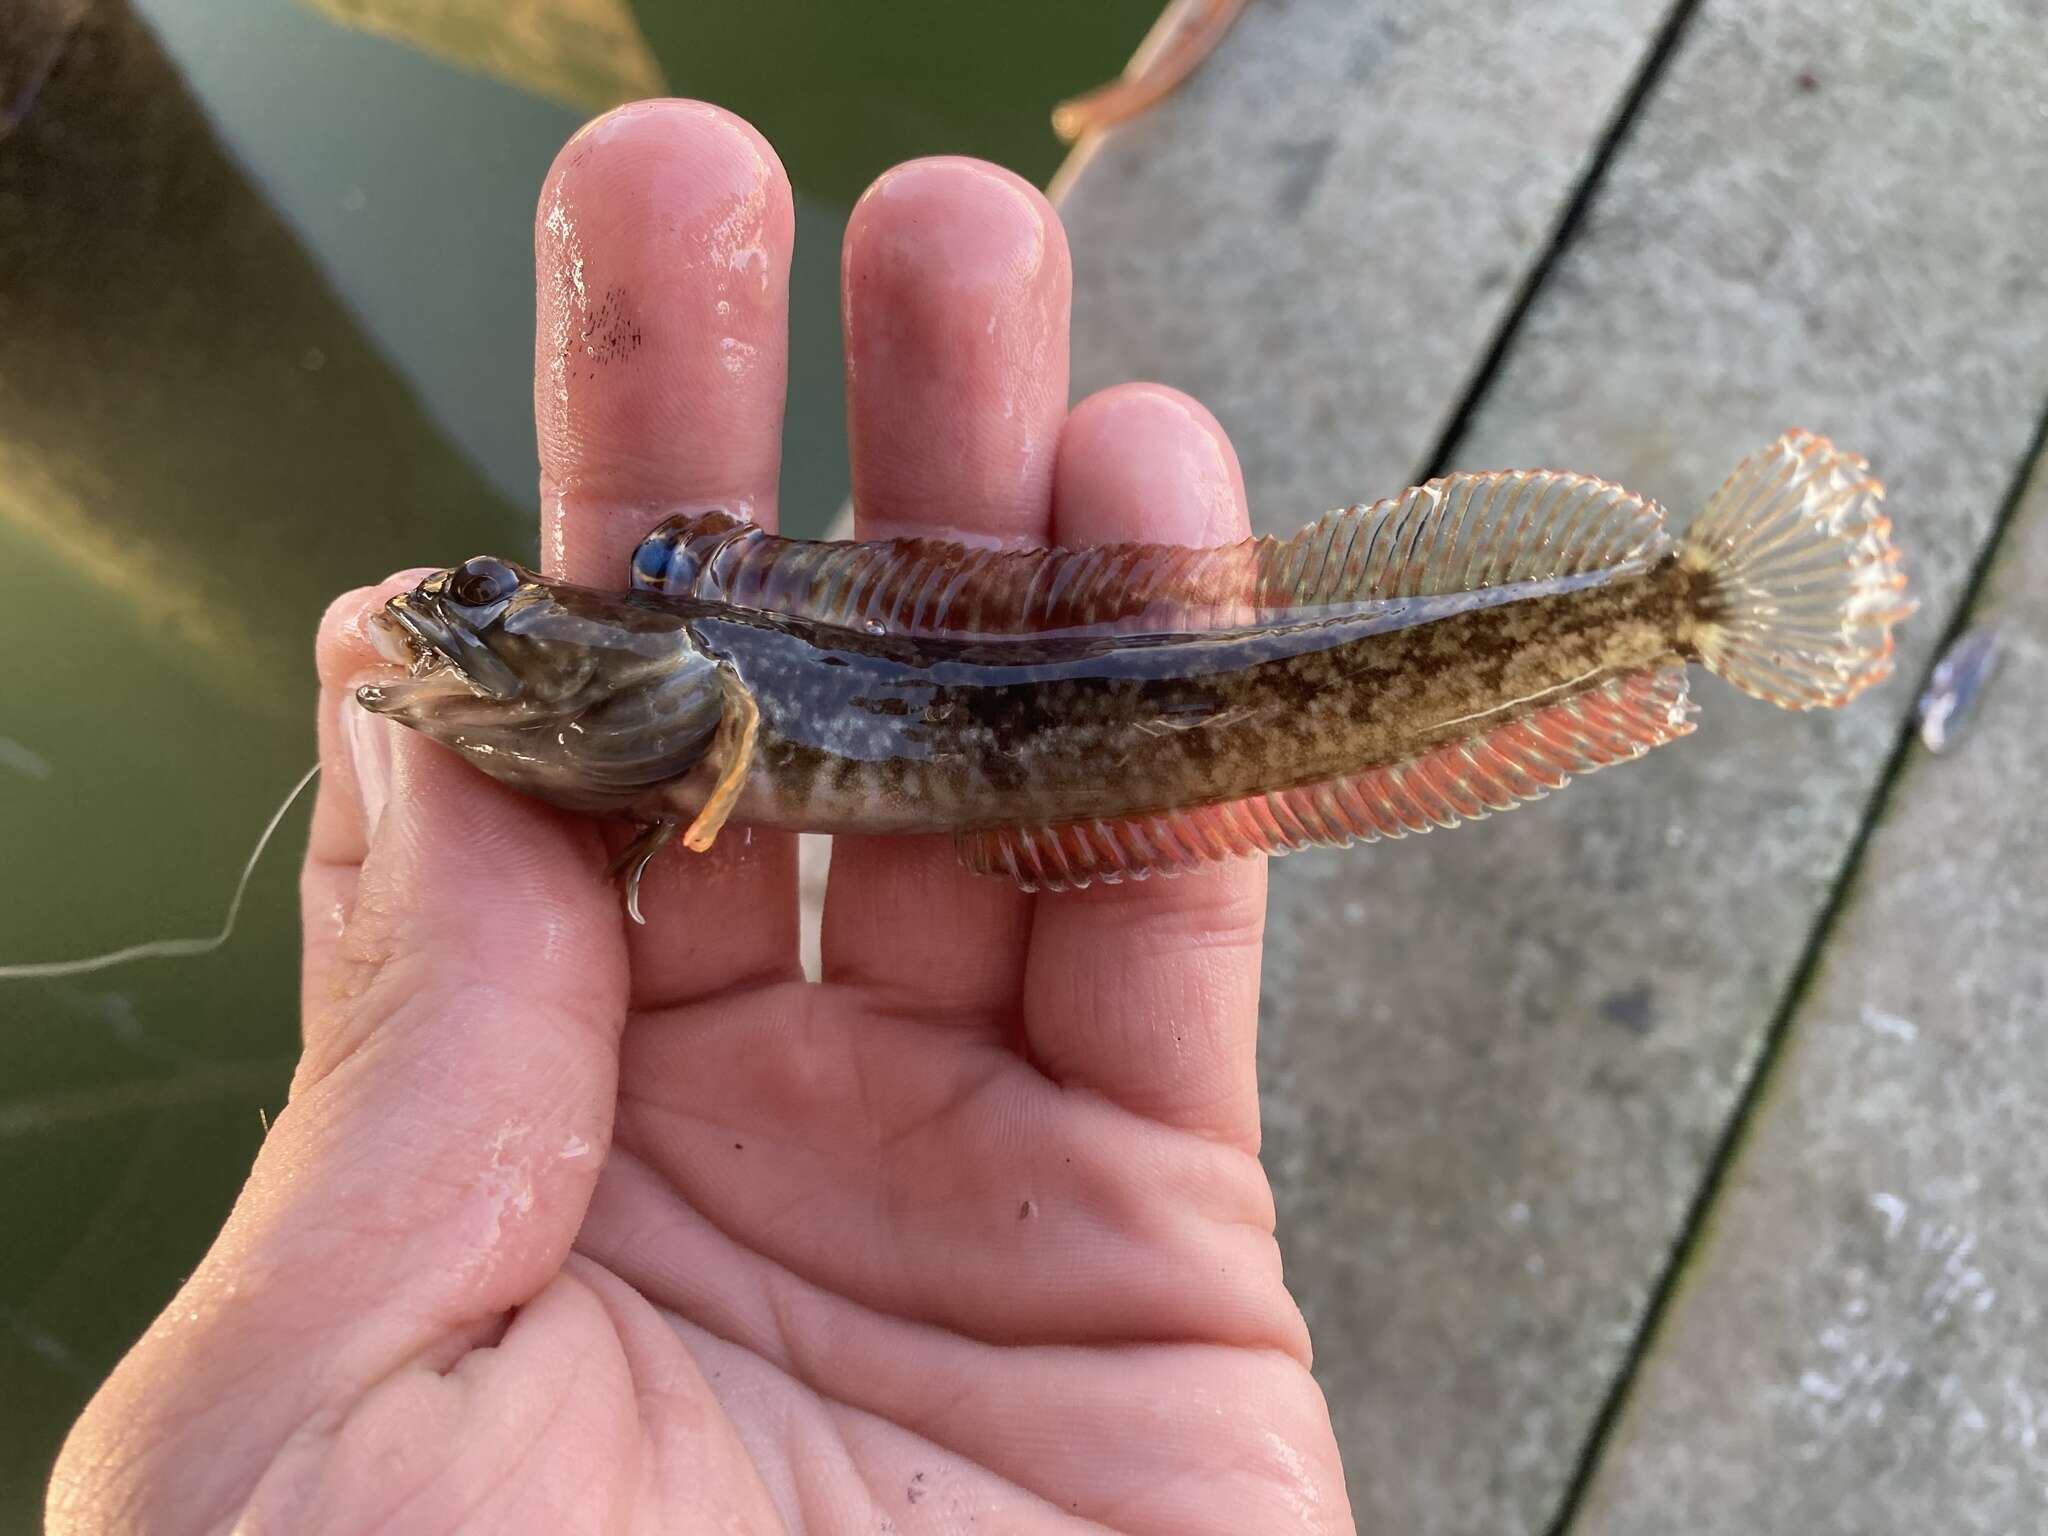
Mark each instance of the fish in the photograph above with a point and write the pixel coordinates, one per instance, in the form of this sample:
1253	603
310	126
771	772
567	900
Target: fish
1095	715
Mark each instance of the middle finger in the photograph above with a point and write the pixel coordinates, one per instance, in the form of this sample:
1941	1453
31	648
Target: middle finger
956	288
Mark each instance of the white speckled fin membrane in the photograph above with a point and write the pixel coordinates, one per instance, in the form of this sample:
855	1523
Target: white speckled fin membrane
1806	583
1459	780
1457	534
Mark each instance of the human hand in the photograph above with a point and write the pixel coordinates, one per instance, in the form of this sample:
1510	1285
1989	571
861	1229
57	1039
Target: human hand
571	1225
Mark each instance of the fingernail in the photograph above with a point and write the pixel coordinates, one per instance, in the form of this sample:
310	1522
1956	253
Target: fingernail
369	749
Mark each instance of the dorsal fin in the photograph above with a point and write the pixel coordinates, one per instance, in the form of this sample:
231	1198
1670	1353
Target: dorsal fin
1455	781
936	587
1456	534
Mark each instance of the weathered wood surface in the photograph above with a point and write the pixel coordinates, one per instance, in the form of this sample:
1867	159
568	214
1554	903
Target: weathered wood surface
1320	234
1497	1063
1860	1343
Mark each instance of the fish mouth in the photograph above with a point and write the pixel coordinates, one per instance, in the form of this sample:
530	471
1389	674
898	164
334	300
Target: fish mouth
402	644
446	666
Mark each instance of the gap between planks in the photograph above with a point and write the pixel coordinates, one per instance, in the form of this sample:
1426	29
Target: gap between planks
1728	1147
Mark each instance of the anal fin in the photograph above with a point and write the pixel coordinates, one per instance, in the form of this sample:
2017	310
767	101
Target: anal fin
1460	780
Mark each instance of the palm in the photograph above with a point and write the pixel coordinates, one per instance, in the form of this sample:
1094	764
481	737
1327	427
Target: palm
578	1226
877	1236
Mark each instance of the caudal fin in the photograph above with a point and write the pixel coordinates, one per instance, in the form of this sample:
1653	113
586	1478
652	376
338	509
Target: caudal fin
1803	583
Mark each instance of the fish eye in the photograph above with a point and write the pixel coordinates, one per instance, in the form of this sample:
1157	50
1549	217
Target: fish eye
480	582
650	561
663	564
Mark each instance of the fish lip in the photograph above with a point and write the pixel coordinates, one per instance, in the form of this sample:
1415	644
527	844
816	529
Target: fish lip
400	645
396	643
416	698
409	631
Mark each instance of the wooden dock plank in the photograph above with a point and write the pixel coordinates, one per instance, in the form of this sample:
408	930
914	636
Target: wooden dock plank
1860	1343
1497	1062
1321	232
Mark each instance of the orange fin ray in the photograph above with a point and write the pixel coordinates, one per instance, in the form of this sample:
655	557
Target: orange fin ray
733	749
1806	580
1456	534
1461	780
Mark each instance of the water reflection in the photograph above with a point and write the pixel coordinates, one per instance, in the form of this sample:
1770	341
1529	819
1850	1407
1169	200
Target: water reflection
198	446
586	52
265	331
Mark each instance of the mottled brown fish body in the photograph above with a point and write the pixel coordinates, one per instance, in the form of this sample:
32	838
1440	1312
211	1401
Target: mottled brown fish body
1104	714
880	734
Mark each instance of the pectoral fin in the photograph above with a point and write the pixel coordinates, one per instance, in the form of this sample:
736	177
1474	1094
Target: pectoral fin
732	750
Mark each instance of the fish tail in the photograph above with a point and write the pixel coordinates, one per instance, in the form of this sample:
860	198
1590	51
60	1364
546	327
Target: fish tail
1799	581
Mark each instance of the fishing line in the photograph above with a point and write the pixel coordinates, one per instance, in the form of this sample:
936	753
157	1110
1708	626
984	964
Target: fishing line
165	949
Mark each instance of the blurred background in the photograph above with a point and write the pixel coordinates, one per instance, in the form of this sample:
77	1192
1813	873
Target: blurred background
266	332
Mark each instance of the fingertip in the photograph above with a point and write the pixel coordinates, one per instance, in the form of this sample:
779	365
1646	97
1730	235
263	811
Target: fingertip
344	626
665	166
966	221
654	124
355	753
342	646
1146	462
956	283
662	242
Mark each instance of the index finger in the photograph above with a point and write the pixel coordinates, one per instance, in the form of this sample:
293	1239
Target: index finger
661	344
662	245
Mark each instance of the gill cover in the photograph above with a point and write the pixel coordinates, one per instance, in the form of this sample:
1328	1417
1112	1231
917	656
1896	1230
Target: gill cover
583	698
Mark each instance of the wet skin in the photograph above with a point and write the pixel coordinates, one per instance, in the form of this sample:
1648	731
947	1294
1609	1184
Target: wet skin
571	1225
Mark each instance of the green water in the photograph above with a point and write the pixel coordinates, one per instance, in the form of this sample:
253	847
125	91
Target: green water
265	333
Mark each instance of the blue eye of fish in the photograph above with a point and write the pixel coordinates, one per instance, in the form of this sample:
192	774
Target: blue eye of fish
480	582
650	562
663	564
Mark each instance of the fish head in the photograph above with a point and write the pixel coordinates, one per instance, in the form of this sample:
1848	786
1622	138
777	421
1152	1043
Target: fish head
582	697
